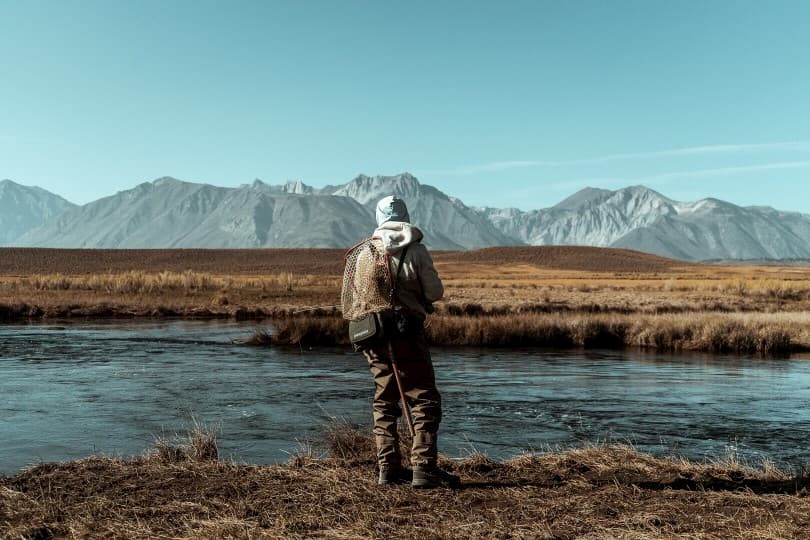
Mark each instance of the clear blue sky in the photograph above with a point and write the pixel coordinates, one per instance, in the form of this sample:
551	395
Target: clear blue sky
499	103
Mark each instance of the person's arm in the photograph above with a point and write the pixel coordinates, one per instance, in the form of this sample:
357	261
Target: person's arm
432	286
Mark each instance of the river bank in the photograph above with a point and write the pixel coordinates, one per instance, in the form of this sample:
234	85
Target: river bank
712	332
183	491
698	331
501	297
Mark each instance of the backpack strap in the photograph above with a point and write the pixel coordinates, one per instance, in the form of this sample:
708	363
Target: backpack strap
399	271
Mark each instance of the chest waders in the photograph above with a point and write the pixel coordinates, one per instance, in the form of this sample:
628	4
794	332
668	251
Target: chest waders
406	411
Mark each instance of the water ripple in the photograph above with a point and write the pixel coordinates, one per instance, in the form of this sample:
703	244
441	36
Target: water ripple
68	390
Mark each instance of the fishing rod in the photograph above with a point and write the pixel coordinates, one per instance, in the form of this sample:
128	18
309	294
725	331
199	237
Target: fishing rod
406	411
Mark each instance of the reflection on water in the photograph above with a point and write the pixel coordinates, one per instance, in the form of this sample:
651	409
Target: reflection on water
68	391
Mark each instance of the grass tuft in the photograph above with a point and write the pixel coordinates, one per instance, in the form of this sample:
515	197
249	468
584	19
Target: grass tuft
198	445
344	441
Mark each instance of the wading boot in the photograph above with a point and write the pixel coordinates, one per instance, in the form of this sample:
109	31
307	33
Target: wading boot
394	474
430	476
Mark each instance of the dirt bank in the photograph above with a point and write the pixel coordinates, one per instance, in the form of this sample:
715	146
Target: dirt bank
597	493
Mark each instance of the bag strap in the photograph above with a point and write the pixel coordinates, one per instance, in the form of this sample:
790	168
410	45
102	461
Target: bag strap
399	271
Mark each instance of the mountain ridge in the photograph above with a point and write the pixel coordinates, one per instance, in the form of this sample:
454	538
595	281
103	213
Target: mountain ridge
23	207
172	213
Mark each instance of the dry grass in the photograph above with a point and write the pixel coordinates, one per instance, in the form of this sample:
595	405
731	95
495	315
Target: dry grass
566	296
161	294
199	444
609	492
750	333
136	282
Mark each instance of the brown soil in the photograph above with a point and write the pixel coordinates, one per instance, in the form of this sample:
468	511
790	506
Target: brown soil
25	261
28	261
595	493
587	259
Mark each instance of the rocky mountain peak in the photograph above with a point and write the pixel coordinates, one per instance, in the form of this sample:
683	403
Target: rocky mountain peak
167	180
641	191
713	207
402	181
582	197
298	187
7	185
369	189
641	201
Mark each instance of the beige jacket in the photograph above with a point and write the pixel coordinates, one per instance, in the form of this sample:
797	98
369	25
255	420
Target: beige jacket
418	283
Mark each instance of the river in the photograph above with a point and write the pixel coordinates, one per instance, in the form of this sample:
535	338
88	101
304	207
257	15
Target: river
73	389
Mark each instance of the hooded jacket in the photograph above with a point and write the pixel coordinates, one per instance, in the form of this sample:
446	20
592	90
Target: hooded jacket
419	283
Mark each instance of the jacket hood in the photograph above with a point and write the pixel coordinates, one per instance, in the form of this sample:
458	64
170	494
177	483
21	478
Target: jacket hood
392	208
397	234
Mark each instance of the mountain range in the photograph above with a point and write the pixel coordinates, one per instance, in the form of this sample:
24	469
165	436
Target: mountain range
169	213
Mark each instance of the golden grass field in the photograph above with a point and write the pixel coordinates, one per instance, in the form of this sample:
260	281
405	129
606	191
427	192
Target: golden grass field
542	296
181	490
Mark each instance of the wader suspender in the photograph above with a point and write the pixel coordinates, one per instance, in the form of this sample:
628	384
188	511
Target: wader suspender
405	410
399	271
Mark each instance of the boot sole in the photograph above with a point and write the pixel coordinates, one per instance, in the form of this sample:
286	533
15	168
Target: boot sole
393	483
434	485
424	486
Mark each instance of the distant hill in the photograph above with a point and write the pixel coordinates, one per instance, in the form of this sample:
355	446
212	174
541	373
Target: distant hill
170	213
25	207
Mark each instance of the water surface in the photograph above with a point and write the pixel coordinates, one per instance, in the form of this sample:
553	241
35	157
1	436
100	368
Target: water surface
71	390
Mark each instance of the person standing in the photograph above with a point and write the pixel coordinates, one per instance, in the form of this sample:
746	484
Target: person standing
417	285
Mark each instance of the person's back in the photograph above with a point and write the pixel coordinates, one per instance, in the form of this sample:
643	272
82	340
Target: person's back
417	286
418	283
